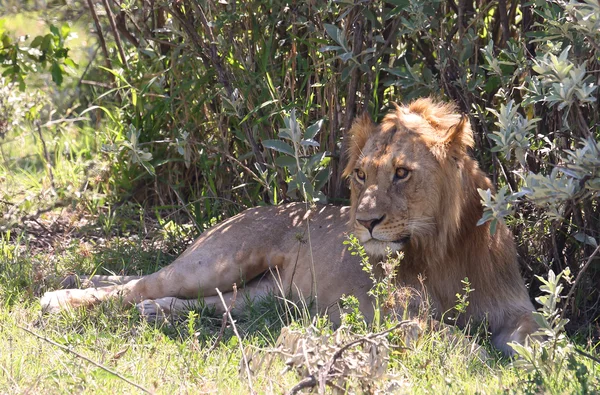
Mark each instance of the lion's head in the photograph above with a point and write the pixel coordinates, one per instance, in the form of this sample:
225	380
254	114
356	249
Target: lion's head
407	177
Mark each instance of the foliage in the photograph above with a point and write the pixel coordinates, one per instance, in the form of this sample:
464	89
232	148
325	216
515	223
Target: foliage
47	52
383	275
550	357
307	169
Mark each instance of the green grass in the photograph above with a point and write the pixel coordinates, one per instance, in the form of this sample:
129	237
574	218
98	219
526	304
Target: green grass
179	356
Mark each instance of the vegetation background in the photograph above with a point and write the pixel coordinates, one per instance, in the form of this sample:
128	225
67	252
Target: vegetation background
127	127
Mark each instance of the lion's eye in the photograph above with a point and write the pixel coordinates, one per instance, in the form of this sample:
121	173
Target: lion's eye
401	173
360	174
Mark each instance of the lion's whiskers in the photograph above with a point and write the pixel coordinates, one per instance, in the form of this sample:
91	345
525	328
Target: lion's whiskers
424	226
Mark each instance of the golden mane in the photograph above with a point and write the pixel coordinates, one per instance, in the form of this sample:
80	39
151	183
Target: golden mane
446	244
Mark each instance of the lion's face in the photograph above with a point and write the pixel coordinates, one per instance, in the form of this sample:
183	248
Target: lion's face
400	173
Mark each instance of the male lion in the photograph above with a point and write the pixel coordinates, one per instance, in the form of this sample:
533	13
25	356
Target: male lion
414	189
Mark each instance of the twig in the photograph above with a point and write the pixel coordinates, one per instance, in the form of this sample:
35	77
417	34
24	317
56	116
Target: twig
100	35
184	206
307	382
245	359
47	157
97	83
585	354
326	370
579	276
67	349
224	321
503	14
113	26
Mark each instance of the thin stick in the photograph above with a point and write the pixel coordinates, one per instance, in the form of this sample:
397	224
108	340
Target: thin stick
113	26
224	321
585	354
579	275
100	35
47	157
67	349
246	365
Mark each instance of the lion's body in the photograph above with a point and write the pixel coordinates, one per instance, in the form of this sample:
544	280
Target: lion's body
414	188
262	249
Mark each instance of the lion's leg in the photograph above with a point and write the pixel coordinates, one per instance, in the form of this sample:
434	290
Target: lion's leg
76	281
514	330
184	279
55	301
172	306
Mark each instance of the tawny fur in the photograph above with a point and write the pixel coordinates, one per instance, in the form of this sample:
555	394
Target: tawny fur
430	213
431	140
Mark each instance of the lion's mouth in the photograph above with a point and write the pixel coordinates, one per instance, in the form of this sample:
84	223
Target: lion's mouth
403	240
381	248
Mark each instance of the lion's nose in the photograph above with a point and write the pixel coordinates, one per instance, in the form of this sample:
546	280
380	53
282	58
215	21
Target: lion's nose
370	223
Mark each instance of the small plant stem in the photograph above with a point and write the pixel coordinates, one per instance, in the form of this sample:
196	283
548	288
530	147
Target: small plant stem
235	331
67	349
100	35
312	261
224	320
579	276
113	26
47	157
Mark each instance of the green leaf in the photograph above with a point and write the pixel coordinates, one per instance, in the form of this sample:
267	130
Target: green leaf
69	62
493	226
36	42
47	43
286	161
335	33
313	129
279	146
327	48
57	74
65	29
586	239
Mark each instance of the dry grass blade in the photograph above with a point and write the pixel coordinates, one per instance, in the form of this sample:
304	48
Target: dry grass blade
67	349
366	365
224	321
245	359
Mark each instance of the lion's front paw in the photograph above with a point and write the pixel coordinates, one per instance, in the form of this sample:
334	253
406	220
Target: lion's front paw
154	310
55	301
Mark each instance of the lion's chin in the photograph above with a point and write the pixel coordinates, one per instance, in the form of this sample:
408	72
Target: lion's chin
380	248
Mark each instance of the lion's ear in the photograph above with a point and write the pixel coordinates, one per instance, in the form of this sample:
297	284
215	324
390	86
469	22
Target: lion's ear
362	128
460	135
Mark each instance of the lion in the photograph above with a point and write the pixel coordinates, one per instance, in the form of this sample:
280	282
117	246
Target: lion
413	189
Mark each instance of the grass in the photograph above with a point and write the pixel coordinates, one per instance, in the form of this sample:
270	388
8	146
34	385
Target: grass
180	356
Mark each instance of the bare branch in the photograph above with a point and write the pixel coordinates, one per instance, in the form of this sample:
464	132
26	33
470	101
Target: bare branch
100	35
113	25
